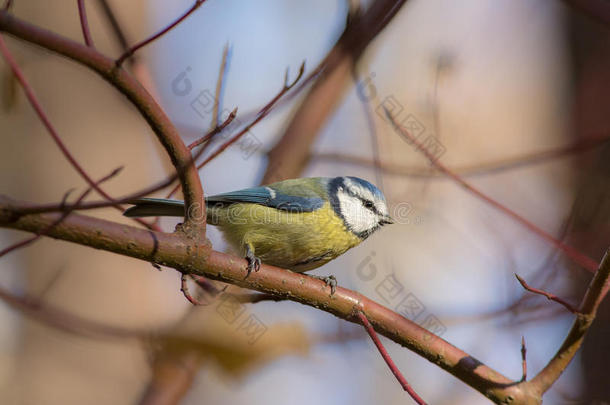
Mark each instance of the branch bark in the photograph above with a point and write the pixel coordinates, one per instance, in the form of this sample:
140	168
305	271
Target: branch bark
288	157
187	256
129	86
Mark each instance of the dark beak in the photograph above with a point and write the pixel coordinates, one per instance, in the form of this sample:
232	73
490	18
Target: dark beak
387	220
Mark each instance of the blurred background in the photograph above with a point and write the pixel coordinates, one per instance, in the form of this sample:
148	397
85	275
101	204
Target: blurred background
510	94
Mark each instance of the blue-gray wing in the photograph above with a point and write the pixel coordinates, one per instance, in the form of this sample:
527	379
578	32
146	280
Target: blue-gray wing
269	197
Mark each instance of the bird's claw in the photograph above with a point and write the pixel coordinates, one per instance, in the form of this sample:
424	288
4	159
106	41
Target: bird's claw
330	281
254	263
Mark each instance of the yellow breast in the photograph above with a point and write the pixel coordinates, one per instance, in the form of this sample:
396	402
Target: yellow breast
297	241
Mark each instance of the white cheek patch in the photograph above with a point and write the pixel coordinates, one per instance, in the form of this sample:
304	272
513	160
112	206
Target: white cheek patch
358	218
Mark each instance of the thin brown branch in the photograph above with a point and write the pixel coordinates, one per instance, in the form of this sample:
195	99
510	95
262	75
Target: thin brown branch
491	168
221	84
184	287
370	120
63	216
178	251
166	132
29	92
84	23
207	139
574	254
216	130
523	360
164	31
290	155
261	114
60	319
586	314
388	359
548	295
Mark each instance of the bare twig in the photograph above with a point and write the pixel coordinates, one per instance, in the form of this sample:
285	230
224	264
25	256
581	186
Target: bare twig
82	13
60	319
45	120
572	253
166	132
29	92
523	360
549	296
185	291
221	84
206	138
386	356
64	215
289	156
165	30
533	158
218	129
584	318
261	114
370	120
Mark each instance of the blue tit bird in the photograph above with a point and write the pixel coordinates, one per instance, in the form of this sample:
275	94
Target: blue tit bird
297	224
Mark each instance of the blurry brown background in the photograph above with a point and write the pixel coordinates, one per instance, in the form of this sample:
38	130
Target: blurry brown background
490	81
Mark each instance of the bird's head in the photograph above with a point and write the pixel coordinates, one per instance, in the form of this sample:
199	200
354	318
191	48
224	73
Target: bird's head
361	205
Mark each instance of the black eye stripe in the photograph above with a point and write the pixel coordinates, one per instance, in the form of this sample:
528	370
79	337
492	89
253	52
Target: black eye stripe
370	205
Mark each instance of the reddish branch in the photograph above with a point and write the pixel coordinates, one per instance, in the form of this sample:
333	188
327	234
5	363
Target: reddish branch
164	31
179	252
580	146
184	287
218	129
288	157
58	318
82	13
523	360
166	132
571	252
386	356
586	314
261	114
63	216
189	255
185	255
548	295
29	92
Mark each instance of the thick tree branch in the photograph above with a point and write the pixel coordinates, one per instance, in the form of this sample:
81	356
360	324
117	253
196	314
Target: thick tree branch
288	157
121	79
185	255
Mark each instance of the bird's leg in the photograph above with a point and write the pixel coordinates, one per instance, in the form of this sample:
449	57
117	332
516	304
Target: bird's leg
254	263
329	280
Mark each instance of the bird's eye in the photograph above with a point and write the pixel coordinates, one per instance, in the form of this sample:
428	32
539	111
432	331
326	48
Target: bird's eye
369	204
